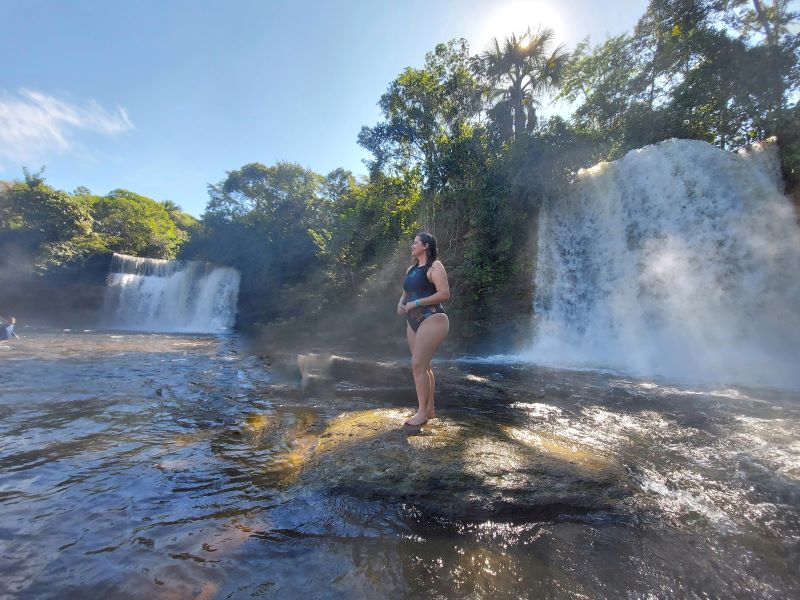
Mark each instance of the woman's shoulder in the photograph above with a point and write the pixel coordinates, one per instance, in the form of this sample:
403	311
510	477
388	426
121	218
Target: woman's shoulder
436	266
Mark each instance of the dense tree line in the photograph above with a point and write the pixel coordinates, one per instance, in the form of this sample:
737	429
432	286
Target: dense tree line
461	151
286	226
44	230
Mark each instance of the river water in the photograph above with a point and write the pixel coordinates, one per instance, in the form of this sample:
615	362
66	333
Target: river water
160	466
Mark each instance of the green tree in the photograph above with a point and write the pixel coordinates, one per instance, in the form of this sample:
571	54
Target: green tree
369	221
43	225
272	223
183	221
681	74
600	77
425	111
521	70
729	97
772	20
663	43
129	223
772	26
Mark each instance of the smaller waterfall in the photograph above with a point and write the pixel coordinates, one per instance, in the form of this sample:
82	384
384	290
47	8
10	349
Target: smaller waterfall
147	294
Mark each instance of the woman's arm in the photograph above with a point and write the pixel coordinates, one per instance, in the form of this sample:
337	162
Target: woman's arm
438	277
401	305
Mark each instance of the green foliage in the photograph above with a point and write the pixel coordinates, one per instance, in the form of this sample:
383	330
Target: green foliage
288	228
682	74
132	224
183	221
370	219
425	111
757	18
788	133
270	222
728	98
42	226
53	233
521	70
600	77
49	215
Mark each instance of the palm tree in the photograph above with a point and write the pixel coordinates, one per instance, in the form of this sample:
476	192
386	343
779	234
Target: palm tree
522	70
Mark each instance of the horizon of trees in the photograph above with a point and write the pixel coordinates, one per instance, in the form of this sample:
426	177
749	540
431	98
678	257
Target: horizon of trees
460	151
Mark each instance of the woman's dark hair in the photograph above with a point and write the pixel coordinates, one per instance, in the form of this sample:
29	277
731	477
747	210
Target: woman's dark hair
430	242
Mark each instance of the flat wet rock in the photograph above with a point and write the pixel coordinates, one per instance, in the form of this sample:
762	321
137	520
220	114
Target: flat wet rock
465	467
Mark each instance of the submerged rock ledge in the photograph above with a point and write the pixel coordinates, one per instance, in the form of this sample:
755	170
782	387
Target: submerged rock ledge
464	467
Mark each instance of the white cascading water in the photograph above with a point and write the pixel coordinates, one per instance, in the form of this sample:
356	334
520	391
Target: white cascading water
679	260
147	294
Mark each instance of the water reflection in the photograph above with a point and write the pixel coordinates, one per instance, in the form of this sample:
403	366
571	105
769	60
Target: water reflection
158	466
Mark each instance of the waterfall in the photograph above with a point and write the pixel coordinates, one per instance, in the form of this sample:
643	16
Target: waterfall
146	294
680	260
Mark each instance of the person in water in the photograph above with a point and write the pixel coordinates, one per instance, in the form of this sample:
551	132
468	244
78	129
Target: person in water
7	328
424	289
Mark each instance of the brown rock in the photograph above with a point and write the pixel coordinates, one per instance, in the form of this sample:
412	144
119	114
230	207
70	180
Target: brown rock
463	468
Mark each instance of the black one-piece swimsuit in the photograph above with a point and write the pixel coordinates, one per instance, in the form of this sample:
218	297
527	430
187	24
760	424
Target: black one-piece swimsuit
416	285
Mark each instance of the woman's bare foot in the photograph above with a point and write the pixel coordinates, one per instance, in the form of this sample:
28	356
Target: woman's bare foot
416	420
431	414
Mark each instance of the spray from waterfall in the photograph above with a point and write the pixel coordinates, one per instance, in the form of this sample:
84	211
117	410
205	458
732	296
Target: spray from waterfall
146	294
679	260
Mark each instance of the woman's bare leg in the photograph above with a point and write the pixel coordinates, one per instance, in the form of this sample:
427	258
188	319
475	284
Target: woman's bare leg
411	336
431	410
429	336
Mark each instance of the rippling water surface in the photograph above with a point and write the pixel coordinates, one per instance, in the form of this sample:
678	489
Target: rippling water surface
160	466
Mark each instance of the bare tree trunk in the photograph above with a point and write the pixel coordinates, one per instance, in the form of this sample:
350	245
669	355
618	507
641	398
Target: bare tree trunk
519	117
722	129
516	102
533	120
764	20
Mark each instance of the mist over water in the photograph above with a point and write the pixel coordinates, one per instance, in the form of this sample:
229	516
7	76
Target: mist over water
146	294
679	260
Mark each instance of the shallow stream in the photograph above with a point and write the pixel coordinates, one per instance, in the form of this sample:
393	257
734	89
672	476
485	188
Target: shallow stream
166	466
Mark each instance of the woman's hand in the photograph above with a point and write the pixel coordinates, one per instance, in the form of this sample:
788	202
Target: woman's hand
401	309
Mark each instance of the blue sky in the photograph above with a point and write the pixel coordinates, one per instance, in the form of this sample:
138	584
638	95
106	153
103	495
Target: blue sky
163	97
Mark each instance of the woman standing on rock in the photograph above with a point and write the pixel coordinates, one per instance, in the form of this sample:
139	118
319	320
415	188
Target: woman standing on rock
424	289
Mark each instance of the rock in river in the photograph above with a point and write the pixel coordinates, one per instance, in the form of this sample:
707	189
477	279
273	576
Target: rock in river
466	467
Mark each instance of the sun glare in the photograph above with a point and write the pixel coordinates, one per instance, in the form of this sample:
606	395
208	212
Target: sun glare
516	17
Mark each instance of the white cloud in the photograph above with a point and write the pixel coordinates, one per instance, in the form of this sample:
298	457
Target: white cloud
34	125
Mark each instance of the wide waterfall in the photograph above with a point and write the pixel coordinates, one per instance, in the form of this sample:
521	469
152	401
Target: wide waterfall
146	294
680	260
